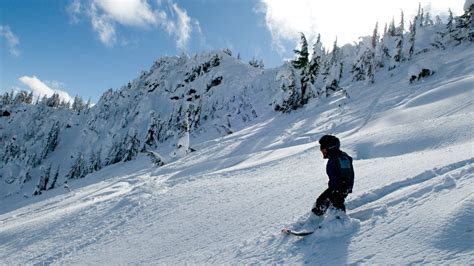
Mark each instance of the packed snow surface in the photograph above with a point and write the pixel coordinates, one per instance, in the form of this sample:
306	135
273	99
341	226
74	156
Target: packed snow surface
227	201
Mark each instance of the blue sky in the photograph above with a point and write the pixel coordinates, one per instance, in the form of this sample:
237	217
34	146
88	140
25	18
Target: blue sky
86	47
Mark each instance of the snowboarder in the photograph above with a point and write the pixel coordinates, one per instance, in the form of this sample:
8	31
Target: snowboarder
341	176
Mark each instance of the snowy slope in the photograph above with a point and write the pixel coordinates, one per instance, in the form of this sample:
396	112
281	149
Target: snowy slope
413	199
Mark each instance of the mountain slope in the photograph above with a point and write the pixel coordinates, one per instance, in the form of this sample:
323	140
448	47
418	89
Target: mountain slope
226	202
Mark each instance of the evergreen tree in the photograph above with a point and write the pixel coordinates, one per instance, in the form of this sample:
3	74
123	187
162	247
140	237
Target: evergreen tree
26	177
78	169
428	21
132	145
43	181
116	153
95	161
358	67
54	101
464	26
372	60
412	37
151	137
391	29
420	16
301	63
401	27
55	179
256	63
450	24
365	62
78	104
383	50
6	99
334	70
183	142
302	59
23	97
316	60
11	151
398	54
52	140
292	97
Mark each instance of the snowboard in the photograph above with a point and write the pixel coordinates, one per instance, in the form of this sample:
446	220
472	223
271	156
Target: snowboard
309	226
303	228
296	233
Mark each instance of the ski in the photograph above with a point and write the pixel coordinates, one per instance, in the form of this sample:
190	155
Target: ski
296	233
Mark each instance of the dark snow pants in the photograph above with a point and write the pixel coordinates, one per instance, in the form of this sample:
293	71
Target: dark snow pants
329	198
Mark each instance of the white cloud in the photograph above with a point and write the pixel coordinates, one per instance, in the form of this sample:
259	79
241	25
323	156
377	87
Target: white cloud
103	26
183	25
128	13
39	88
74	10
346	20
12	40
105	15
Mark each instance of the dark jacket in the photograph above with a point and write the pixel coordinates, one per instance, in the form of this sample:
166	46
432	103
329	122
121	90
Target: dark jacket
340	171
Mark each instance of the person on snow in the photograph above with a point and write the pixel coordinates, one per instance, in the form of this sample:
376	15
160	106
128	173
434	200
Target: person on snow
341	176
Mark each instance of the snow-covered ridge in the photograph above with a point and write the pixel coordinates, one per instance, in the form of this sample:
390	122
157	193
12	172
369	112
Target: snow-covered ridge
205	94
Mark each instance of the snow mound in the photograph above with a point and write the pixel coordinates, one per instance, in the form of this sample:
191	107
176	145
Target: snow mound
336	224
459	228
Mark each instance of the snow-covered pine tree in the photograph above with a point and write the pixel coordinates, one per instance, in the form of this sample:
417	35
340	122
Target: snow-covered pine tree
23	97
6	99
95	161
420	16
440	39
301	63
412	38
256	63
131	145
78	169
54	101
334	70
26	177
358	67
78	104
450	22
152	133
55	179
291	98
394	43
382	53
398	53
52	140
373	60
11	151
43	181
450	26
428	21
365	63
316	62
182	147
116	153
464	25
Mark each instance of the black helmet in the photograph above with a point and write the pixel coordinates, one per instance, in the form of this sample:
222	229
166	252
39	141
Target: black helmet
329	142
